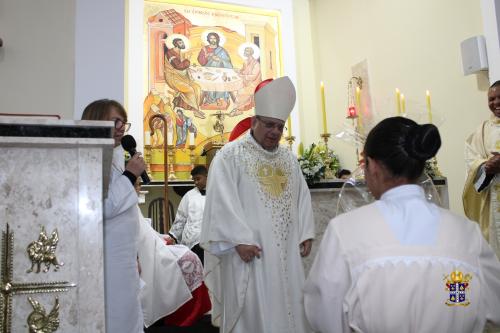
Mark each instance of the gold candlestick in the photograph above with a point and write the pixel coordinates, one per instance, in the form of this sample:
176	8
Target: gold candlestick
191	156
328	172
290	139
147	159
325	137
171	155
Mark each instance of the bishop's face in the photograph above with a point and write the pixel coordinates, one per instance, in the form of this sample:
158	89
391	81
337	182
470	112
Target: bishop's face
494	100
267	131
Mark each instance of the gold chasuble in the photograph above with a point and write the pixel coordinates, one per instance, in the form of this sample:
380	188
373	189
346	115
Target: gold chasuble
483	206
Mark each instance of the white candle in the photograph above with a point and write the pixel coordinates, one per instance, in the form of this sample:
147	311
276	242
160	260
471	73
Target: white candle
170	138
147	138
398	102
428	101
191	138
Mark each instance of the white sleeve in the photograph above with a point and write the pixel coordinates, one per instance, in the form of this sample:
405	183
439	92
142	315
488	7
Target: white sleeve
326	286
121	196
180	218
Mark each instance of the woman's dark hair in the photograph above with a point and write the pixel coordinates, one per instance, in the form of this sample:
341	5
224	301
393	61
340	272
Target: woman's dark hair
402	145
100	109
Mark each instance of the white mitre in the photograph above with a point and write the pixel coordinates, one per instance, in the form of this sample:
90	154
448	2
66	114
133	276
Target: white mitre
276	99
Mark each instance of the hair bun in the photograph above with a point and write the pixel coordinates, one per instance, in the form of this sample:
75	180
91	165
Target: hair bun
423	142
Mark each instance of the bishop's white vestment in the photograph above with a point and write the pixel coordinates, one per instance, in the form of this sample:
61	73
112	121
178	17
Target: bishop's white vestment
256	197
402	264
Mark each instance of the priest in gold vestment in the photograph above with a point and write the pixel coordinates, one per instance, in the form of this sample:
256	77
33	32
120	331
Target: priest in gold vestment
481	197
258	223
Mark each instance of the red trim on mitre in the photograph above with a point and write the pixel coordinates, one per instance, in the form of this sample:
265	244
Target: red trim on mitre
240	128
262	85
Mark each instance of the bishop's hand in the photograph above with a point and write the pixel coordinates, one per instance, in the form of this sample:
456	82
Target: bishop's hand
248	252
305	247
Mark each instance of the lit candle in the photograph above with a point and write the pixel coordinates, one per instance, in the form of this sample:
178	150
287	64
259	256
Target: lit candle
358	106
170	138
191	138
323	108
398	102
403	104
428	100
289	126
147	138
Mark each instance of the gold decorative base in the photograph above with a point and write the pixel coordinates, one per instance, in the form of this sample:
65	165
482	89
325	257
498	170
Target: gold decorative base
147	159
171	154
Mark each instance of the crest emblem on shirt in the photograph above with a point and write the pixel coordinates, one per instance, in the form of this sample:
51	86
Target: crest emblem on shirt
457	285
272	180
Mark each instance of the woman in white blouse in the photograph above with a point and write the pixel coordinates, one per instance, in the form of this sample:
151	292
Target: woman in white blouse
402	264
121	226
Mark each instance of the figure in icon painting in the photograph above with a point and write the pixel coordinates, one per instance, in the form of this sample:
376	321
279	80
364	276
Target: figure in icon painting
214	55
177	75
203	64
250	75
183	124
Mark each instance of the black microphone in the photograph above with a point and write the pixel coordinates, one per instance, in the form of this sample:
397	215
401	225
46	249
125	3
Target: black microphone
129	144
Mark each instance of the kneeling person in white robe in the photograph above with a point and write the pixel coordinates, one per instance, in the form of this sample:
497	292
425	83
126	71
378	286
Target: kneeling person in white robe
402	264
170	274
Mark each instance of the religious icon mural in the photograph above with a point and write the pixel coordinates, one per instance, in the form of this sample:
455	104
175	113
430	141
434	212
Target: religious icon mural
203	62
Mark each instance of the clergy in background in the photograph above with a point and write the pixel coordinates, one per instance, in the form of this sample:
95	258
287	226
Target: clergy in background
402	264
257	224
481	197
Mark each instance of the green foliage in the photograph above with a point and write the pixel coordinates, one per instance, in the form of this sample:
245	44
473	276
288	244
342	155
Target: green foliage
318	161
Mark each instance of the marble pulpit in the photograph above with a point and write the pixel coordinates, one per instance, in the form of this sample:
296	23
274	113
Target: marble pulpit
52	179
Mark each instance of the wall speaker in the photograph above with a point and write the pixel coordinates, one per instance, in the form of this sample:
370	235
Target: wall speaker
474	58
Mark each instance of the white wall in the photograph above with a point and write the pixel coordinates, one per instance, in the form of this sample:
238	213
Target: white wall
36	60
412	45
99	52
